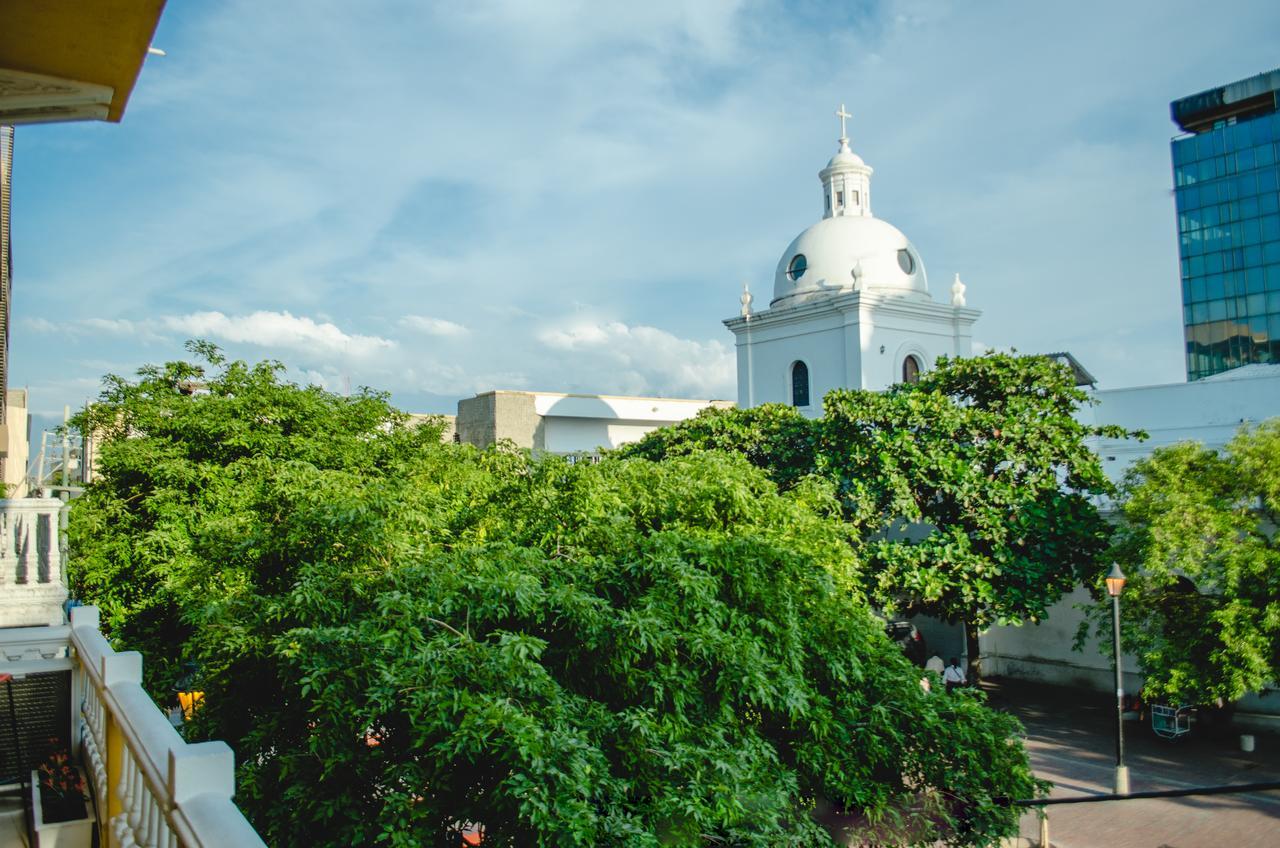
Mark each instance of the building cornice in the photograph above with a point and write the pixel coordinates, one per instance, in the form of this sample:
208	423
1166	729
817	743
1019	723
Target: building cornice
853	303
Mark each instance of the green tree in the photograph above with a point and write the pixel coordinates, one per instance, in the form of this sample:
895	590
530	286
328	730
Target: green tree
1197	539
970	493
973	490
630	653
773	436
178	444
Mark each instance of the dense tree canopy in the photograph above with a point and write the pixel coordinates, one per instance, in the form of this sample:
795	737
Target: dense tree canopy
178	445
773	437
1198	541
400	639
970	493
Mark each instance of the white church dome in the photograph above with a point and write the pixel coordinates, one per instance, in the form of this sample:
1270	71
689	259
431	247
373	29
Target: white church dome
845	156
849	249
848	253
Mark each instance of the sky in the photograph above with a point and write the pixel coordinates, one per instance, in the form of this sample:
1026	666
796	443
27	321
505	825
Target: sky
439	199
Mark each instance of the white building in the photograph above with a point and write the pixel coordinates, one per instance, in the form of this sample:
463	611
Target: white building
851	306
1208	411
553	422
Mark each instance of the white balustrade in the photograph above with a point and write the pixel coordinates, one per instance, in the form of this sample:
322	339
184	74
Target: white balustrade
32	586
166	793
161	792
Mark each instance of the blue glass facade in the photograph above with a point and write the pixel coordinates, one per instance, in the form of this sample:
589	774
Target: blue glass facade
1227	186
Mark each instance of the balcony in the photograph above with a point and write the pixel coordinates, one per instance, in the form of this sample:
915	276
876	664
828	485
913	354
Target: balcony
149	788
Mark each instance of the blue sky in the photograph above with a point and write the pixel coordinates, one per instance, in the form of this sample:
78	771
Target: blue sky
440	199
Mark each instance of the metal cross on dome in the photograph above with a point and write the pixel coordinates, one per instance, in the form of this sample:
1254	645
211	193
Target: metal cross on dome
843	115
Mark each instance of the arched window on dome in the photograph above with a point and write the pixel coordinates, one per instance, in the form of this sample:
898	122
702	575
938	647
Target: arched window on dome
799	383
911	369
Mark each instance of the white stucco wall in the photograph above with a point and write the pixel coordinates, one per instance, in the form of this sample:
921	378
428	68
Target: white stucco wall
1043	651
888	339
840	337
824	343
575	423
585	435
1206	411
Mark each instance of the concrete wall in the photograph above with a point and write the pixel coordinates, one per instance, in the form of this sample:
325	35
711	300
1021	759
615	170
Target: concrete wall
577	435
490	417
450	431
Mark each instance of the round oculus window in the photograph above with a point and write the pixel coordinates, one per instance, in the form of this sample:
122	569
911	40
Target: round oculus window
797	267
906	261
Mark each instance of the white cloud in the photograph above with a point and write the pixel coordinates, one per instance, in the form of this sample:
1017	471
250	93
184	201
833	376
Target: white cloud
120	328
113	326
433	326
643	360
276	329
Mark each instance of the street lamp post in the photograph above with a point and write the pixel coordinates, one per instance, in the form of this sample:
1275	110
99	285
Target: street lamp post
1115	585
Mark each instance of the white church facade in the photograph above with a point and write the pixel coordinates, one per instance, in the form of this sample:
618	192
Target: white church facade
851	306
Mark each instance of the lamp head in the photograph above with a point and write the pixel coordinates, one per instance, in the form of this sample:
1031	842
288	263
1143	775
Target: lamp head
1115	580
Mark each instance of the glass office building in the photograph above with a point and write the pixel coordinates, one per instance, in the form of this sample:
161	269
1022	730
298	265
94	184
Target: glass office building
1227	184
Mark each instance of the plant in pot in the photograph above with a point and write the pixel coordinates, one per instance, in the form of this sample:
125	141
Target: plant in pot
61	814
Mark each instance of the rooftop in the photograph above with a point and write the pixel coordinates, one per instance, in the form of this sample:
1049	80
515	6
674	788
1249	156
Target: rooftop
1244	98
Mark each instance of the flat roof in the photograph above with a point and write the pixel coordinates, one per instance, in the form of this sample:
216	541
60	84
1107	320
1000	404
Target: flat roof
1255	95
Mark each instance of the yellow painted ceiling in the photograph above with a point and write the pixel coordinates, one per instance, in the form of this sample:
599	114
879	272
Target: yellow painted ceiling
96	41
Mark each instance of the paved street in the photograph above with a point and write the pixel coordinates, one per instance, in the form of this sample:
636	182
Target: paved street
1070	736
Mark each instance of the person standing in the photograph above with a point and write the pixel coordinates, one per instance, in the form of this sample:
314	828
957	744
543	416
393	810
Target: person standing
953	675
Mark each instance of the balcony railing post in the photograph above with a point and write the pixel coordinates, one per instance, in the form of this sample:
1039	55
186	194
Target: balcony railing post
117	668
202	767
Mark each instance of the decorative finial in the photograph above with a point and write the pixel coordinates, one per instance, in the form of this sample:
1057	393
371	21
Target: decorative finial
957	292
857	275
746	299
844	136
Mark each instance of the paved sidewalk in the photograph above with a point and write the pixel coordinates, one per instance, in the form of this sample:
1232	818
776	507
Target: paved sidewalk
1071	741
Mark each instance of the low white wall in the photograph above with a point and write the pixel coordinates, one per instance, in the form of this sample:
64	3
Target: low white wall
1043	651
